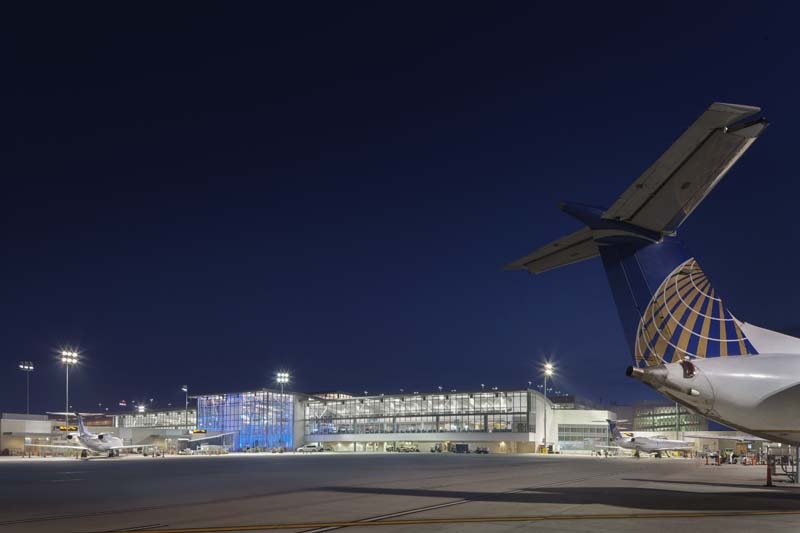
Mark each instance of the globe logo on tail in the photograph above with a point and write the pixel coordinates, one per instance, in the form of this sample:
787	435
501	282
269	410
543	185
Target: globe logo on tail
686	318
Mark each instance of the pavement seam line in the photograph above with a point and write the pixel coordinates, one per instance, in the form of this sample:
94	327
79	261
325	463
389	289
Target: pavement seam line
468	520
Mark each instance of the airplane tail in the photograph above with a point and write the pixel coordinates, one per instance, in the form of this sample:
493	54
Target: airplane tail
613	430
668	307
81	428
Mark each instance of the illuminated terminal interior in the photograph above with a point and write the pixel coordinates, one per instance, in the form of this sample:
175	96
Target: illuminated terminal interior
482	412
259	419
497	420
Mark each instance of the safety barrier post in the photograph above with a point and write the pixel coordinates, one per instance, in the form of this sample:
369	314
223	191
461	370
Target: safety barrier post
769	474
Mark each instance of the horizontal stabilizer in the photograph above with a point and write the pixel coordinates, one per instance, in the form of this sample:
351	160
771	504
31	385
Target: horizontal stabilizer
667	193
567	250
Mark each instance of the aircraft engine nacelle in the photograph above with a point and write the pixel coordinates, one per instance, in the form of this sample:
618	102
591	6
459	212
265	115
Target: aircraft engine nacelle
101	436
684	382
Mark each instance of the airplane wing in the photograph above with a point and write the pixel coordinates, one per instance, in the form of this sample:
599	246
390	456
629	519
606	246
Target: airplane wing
86	448
573	248
57	446
742	437
667	193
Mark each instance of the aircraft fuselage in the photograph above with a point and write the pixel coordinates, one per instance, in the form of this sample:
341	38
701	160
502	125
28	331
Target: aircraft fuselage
758	394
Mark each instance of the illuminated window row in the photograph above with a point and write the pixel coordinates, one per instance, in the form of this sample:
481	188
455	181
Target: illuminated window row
159	419
467	412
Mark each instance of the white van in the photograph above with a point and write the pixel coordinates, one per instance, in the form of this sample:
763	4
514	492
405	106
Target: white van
310	448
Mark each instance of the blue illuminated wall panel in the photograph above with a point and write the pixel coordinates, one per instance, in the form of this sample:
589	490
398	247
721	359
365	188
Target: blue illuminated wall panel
260	419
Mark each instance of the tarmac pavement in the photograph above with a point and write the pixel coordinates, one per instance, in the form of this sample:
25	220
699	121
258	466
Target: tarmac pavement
388	492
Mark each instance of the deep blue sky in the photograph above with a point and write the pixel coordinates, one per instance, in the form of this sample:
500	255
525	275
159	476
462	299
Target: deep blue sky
206	196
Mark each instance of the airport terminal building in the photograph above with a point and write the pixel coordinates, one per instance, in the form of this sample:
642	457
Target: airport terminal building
499	420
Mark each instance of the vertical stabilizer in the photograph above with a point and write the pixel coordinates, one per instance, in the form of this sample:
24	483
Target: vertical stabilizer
668	307
81	428
613	430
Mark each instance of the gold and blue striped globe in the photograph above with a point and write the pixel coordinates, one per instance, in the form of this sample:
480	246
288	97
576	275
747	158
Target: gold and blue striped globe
686	318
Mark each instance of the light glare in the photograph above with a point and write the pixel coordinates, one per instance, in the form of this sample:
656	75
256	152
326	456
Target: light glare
69	357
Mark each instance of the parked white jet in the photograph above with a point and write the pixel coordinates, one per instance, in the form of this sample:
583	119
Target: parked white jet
105	442
653	445
96	442
685	342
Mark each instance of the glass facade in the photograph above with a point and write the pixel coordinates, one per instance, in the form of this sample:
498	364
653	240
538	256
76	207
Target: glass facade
582	436
261	419
661	417
481	412
159	419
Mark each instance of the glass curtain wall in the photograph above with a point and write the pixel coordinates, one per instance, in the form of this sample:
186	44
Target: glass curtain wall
261	419
159	419
582	436
663	418
427	413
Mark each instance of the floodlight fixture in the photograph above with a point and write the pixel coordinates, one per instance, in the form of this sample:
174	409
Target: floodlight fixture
69	357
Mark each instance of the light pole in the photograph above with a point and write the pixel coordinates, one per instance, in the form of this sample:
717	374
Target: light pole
68	358
548	371
185	389
27	367
282	378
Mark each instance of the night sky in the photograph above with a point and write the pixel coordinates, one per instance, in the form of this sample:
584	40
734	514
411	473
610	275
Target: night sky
205	196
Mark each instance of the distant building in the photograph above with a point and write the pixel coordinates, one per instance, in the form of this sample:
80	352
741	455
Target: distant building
661	417
17	429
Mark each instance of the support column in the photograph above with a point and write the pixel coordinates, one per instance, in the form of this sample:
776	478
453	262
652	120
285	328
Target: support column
796	465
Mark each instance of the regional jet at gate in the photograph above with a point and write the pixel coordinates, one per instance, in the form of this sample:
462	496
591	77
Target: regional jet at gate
638	444
685	342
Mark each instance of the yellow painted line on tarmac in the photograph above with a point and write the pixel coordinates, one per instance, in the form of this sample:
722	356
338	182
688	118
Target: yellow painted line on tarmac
479	520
